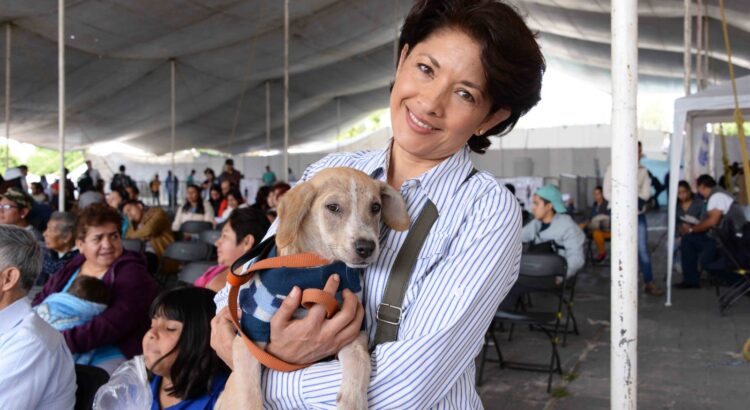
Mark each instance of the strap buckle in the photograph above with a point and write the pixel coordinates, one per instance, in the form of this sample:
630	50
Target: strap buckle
394	319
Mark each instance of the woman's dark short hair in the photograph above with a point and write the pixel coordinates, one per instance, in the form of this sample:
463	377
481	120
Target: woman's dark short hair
282	187
512	61
196	363
685	185
209	171
249	221
96	215
235	192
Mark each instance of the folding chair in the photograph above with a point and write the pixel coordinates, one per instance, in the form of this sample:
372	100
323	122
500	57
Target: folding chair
730	243
135	245
193	270
182	252
209	238
541	273
195	227
88	380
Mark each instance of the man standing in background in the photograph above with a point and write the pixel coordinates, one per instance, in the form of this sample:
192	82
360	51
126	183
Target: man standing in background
269	178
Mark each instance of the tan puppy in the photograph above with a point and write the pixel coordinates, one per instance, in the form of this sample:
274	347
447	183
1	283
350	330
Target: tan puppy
336	215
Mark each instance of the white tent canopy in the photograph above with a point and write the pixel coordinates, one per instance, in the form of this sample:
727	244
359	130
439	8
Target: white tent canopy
691	114
118	56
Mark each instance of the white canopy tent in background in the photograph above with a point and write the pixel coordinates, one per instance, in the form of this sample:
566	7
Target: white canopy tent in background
691	115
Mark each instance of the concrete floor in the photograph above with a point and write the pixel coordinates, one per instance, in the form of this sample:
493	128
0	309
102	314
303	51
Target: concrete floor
688	355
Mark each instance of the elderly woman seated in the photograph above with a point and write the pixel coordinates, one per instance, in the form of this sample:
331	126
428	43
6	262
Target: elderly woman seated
120	327
59	237
244	229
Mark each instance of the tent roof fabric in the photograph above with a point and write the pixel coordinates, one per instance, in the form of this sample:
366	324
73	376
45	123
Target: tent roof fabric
341	53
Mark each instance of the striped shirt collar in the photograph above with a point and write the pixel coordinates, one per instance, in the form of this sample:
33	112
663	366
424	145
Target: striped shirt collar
440	183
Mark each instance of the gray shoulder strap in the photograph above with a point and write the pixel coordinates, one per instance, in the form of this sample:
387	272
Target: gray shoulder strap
388	315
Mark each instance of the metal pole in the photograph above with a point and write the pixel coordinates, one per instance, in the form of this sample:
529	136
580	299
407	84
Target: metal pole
687	37
624	271
268	118
172	194
7	96
286	91
338	123
687	67
699	46
61	101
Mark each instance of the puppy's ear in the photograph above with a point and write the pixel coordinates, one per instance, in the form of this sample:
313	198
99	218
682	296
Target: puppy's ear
292	210
394	208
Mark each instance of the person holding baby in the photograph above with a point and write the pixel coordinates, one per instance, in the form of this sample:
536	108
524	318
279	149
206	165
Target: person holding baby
102	325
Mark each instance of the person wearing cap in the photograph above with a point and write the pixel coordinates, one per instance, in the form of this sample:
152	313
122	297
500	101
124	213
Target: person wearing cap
552	224
15	206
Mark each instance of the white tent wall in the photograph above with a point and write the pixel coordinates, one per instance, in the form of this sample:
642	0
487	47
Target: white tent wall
691	114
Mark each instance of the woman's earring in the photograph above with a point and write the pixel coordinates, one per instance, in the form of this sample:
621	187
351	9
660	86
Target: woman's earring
480	131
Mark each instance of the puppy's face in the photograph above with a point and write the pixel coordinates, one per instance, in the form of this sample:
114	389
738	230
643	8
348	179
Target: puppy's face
337	215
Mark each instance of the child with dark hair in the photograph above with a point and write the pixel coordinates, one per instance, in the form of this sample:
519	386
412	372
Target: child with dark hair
186	372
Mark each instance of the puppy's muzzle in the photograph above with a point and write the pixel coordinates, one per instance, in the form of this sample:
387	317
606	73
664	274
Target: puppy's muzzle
364	248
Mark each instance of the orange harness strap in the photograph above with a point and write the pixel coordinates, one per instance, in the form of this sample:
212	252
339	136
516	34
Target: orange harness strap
310	297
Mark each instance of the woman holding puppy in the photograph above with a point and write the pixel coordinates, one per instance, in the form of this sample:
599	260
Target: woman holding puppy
468	69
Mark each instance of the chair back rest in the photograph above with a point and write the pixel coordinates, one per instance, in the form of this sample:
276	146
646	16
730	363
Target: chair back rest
135	245
88	380
194	270
187	251
542	270
195	227
209	237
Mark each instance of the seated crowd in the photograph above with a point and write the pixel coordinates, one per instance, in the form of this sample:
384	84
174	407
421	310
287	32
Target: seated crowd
92	299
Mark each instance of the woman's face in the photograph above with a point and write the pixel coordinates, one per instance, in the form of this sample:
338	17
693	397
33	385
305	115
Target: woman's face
271	199
232	202
193	195
683	194
102	244
158	342
227	249
438	99
114	199
54	239
598	197
215	195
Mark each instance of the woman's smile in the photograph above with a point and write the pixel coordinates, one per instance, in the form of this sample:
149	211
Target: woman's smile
417	124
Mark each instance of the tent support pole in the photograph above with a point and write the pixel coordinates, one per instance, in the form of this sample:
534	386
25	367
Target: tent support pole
687	38
624	271
286	91
61	101
7	96
268	120
338	123
172	120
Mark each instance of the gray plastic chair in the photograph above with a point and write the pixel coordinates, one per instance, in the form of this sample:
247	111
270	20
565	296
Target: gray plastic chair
193	270
195	227
135	245
209	237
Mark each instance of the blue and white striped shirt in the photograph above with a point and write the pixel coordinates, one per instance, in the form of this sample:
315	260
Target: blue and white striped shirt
467	265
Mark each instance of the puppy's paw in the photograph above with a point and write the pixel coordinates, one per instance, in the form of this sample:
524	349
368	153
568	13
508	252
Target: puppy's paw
350	400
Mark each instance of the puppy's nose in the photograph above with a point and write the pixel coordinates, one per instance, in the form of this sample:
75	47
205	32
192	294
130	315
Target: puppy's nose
364	247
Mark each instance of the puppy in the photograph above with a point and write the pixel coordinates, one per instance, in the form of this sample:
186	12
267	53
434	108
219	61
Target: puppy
336	215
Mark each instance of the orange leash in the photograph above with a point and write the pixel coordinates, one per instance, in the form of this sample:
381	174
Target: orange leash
310	297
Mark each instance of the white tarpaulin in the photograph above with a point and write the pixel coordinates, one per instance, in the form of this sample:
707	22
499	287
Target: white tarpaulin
690	140
341	53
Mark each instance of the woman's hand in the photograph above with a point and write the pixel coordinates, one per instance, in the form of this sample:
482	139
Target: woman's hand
308	340
223	333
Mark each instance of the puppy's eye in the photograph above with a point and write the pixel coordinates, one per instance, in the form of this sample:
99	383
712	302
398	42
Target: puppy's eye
335	208
375	208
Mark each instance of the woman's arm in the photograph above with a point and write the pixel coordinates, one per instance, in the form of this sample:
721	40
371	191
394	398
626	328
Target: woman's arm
208	212
132	294
443	329
177	223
